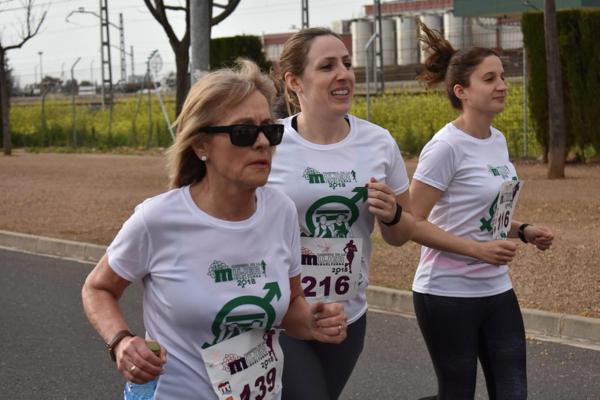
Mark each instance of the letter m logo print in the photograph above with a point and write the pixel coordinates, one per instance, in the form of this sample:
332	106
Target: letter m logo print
237	366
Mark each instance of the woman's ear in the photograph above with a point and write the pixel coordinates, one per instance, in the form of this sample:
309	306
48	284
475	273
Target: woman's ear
200	148
459	91
292	82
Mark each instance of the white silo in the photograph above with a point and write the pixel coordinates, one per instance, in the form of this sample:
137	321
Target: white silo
388	39
454	30
511	36
407	46
361	32
433	22
485	32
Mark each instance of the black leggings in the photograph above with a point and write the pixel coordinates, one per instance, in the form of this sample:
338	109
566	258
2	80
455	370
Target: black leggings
318	371
457	331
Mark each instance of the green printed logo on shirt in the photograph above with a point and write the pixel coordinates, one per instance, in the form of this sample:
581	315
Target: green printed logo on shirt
244	274
333	179
228	324
325	221
501	170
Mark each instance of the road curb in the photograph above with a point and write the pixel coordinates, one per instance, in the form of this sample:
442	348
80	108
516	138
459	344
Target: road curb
571	329
51	247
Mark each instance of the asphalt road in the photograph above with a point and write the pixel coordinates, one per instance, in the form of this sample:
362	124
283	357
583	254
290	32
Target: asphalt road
48	350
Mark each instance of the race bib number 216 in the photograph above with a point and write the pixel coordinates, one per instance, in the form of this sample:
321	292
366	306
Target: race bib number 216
330	268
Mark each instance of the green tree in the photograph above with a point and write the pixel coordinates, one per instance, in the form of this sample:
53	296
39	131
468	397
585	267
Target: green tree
556	106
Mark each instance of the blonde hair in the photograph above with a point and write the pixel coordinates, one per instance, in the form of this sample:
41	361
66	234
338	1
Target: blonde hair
207	101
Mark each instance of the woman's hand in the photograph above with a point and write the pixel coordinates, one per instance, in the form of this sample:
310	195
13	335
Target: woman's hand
330	323
541	237
136	362
381	200
498	252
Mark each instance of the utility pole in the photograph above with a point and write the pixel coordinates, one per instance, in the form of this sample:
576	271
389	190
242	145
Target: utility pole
41	68
132	63
105	56
149	82
200	24
105	59
305	23
73	90
379	47
92	73
122	49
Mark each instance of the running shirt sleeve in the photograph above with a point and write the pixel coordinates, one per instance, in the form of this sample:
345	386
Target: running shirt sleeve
295	264
436	165
397	175
128	254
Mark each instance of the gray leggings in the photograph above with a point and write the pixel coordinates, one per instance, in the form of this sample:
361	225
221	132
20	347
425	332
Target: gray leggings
319	371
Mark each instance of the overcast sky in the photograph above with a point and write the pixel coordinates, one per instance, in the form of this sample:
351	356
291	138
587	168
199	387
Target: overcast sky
61	41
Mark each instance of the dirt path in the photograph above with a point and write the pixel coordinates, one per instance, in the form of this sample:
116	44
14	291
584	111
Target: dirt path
87	198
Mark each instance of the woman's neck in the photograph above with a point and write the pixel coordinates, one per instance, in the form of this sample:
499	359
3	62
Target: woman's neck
224	201
475	124
322	130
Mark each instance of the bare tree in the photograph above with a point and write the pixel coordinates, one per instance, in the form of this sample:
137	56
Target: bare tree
32	25
556	104
181	47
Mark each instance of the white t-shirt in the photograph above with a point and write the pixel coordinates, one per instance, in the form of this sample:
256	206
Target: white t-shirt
206	280
469	171
328	181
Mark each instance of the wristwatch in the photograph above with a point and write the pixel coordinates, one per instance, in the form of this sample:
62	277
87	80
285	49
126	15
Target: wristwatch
110	346
521	233
396	216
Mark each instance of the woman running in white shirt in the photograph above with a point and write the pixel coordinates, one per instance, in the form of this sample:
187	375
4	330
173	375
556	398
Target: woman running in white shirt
218	255
463	295
343	173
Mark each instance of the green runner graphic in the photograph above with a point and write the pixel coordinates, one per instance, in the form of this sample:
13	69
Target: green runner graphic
226	326
349	203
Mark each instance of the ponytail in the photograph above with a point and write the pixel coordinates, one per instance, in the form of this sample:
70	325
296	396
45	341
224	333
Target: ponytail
446	64
440	52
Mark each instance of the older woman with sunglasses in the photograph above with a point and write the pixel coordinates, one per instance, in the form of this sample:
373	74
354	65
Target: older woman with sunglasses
218	256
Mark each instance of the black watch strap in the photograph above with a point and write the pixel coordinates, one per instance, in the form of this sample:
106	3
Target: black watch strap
521	233
110	346
397	216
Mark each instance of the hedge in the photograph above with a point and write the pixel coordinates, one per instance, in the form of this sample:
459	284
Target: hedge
580	60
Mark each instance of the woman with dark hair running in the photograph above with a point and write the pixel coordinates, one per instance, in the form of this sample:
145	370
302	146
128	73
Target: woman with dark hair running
462	198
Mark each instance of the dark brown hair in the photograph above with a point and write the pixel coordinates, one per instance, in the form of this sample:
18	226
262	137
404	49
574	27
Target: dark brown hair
293	59
446	64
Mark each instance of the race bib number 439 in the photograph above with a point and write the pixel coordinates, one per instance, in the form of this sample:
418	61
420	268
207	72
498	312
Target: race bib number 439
246	367
507	202
330	268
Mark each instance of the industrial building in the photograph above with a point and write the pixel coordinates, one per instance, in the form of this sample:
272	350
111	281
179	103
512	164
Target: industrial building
463	22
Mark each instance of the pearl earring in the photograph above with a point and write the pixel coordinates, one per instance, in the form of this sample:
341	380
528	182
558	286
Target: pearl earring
203	158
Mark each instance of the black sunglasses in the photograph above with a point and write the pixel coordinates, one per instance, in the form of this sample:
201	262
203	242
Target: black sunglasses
246	135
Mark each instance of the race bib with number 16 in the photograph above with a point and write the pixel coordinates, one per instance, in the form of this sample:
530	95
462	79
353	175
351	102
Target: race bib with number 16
507	202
